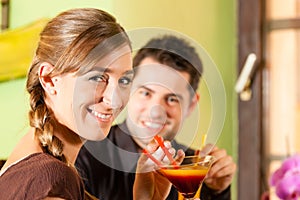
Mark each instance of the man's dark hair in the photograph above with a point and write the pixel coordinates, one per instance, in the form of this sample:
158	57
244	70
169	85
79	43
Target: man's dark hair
174	52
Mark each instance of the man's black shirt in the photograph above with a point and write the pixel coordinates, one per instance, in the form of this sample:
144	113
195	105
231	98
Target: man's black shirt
108	167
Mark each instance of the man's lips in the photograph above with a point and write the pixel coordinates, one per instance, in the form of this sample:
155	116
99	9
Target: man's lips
153	125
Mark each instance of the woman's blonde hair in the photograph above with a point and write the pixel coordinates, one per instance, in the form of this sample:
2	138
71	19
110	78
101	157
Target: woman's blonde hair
67	42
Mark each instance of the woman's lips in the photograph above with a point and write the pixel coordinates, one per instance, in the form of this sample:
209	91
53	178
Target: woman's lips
101	116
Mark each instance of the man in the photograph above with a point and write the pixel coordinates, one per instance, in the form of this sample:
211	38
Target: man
163	95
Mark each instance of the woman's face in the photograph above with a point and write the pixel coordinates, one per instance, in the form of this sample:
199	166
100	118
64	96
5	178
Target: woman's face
89	103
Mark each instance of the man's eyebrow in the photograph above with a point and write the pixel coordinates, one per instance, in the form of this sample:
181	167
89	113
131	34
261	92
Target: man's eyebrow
146	88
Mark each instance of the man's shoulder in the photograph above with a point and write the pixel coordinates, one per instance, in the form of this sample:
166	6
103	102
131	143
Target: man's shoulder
188	150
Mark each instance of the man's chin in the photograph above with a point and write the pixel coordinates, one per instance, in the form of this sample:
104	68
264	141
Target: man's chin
142	142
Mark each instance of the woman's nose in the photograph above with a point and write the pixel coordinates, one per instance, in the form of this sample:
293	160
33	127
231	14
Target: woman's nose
112	97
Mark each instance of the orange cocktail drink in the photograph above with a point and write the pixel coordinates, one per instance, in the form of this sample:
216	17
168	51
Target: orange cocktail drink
188	176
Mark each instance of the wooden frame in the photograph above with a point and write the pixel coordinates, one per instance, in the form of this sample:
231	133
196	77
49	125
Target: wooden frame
5	14
253	26
250	113
283	24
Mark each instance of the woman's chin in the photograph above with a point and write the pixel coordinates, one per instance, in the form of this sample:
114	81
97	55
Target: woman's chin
100	135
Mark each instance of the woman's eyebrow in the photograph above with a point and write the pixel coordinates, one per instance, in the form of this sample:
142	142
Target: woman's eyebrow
102	70
129	72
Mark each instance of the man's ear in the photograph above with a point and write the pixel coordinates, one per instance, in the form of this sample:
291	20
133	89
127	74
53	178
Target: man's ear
47	81
193	104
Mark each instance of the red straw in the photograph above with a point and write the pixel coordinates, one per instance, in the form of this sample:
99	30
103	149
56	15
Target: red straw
197	152
152	158
164	148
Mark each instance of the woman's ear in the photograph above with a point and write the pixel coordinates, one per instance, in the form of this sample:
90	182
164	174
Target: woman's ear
46	80
193	104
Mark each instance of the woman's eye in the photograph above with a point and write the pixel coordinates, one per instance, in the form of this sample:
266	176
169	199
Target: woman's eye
98	78
125	81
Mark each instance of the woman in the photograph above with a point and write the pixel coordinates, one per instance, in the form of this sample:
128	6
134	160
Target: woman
78	82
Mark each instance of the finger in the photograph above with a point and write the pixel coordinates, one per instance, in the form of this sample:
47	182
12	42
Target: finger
206	149
170	148
229	170
218	153
142	164
160	141
160	153
152	146
218	185
165	159
167	144
180	156
219	164
151	157
143	158
223	168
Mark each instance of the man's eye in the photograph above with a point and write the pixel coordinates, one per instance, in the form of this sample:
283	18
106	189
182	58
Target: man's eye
98	78
172	100
125	81
144	93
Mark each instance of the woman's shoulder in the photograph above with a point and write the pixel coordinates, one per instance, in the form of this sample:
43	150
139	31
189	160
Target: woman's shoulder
42	171
50	166
38	162
42	166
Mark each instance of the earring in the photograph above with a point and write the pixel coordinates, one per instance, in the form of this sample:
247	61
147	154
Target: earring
52	92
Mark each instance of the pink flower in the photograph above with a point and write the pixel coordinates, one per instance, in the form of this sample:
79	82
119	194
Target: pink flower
286	179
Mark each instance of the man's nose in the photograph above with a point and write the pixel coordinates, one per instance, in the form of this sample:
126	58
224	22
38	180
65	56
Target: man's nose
158	112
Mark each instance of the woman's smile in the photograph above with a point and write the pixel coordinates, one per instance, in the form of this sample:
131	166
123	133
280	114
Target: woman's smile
102	117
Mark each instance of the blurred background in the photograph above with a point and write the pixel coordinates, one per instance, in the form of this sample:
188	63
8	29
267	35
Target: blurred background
261	126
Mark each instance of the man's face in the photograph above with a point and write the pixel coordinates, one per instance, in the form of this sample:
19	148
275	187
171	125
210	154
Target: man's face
160	100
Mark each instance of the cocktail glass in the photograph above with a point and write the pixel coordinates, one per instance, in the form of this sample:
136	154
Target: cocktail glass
187	177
